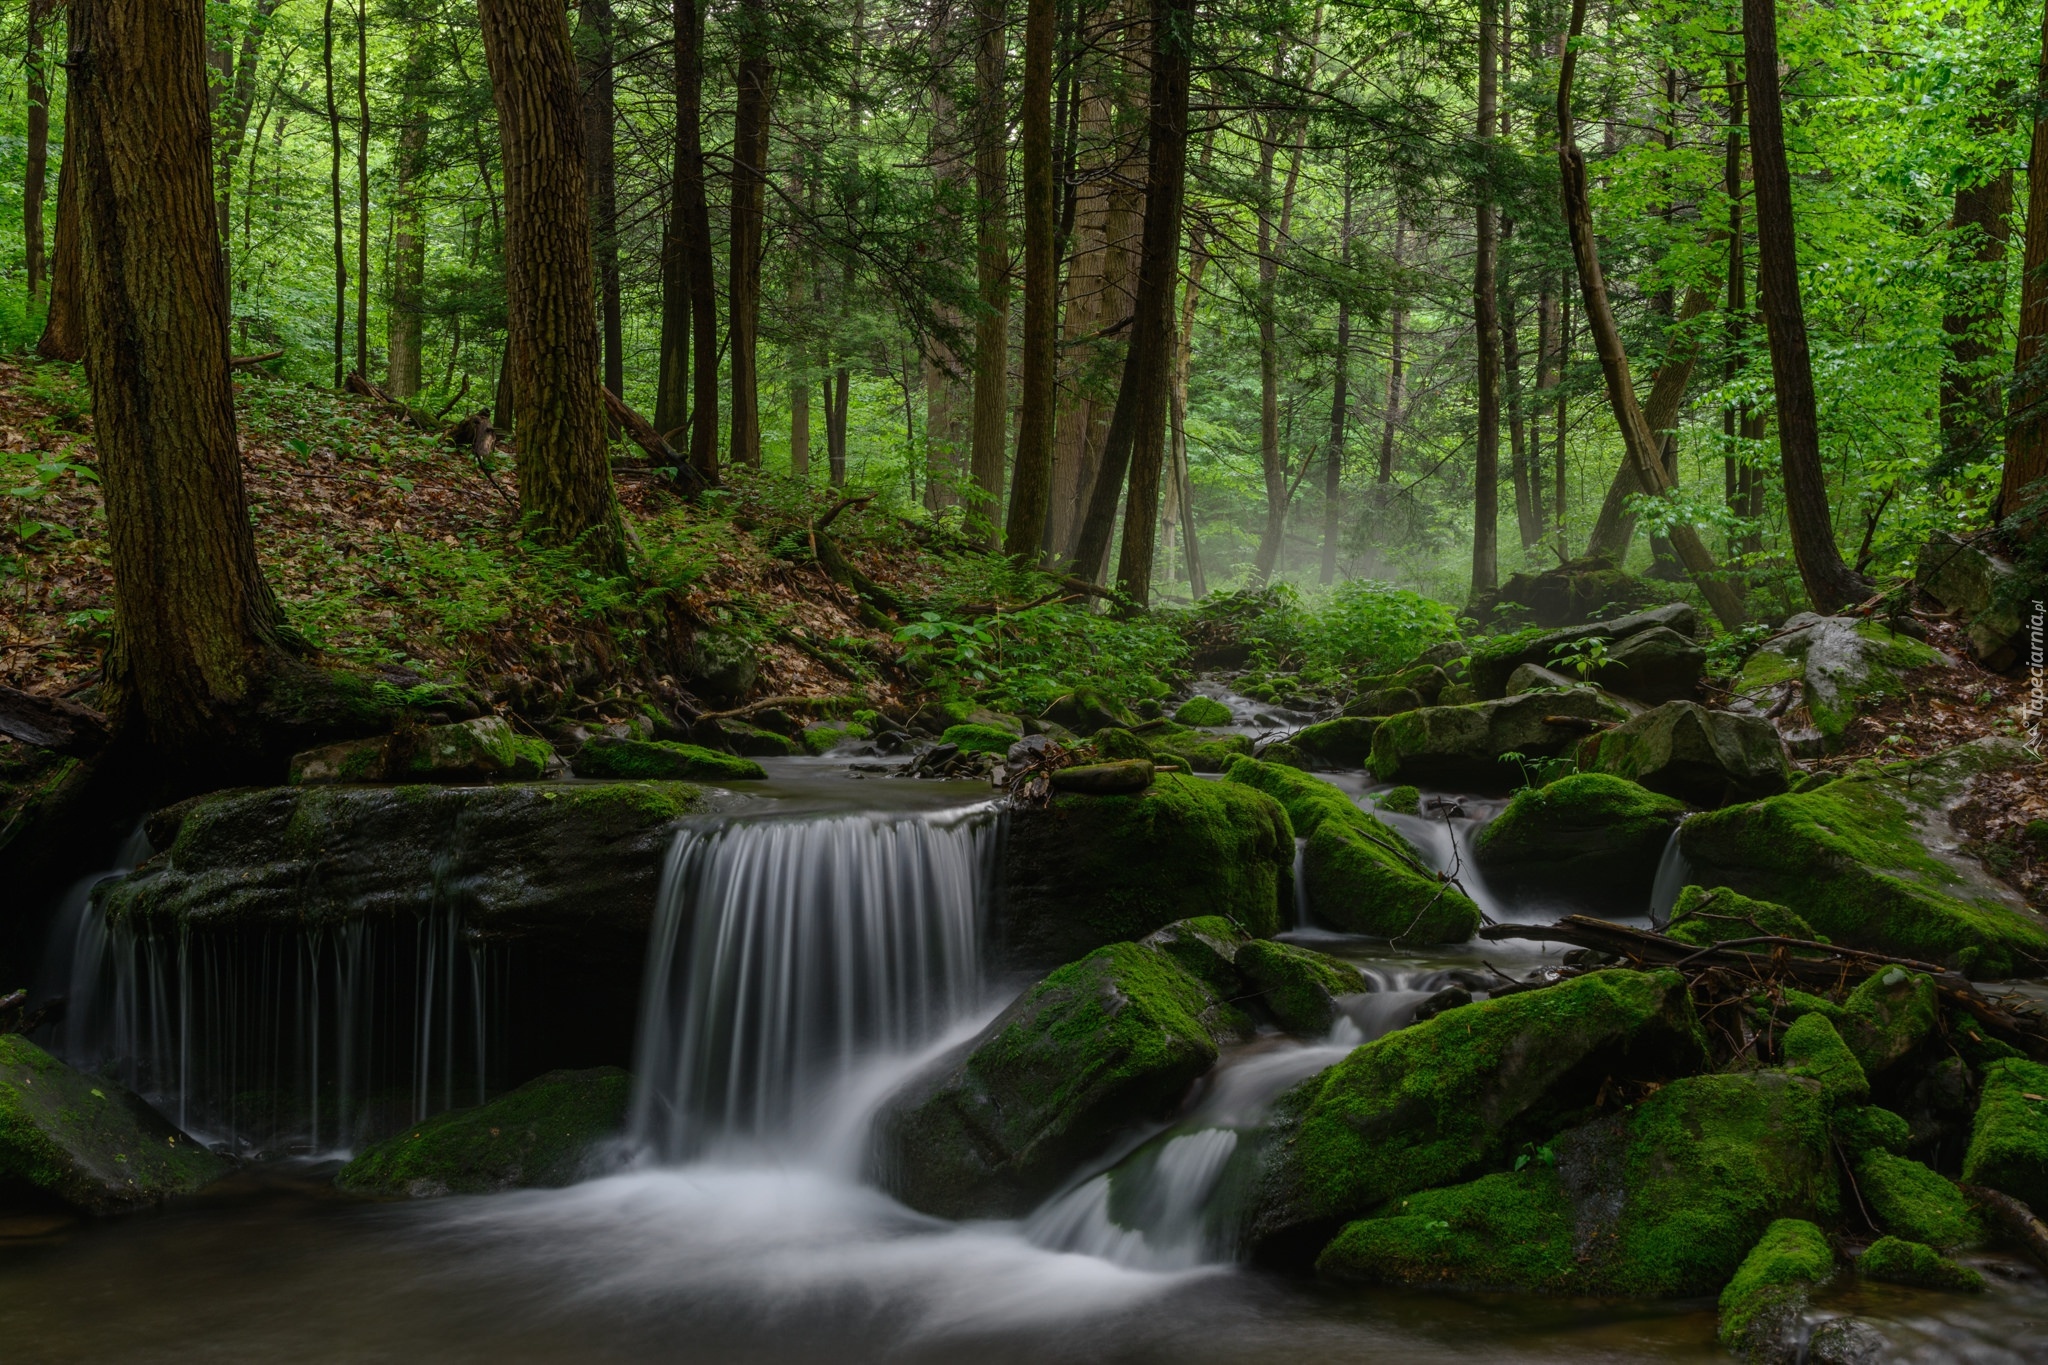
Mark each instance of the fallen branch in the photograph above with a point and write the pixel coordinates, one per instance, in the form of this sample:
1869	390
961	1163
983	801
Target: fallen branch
411	416
449	406
249	362
641	433
62	727
832	513
2016	1219
772	704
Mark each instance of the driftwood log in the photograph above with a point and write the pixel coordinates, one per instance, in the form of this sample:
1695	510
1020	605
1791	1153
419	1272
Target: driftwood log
62	727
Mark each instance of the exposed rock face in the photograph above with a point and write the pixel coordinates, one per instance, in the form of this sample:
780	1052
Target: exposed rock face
1341	743
1654	665
86	1141
1588	833
1836	665
482	750
1982	590
1442	1100
1869	861
545	1134
1494	662
721	665
1706	758
605	757
1090	870
1462	746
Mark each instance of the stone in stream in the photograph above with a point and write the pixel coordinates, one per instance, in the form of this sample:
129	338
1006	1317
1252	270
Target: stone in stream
1202	711
1119	777
1442	1100
1357	873
738	737
1341	743
1909	1200
1704	757
1298	987
604	757
1496	660
1837	666
482	750
87	1142
1762	1306
2009	1142
1597	836
1087	870
1467	747
1204	752
1084	711
1900	1260
1812	1048
974	737
1702	917
546	1134
1868	861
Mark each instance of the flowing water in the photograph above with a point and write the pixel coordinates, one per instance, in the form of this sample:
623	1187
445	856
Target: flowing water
806	959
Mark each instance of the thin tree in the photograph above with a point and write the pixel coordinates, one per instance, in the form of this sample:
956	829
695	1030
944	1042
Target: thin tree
1397	323
991	270
36	179
195	627
672	375
695	238
754	77
64	324
231	126
334	194
565	483
402	327
600	137
363	188
2026	439
1829	581
1340	401
1486	315
1031	479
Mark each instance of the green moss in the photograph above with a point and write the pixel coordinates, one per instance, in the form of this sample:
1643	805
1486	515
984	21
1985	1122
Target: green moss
1702	917
1584	829
1813	1048
981	739
661	759
1798	1002
2009	1142
1868	1128
538	1135
1113	744
824	737
1345	741
1896	1260
1509	1230
1204	753
1770	1289
1203	711
1914	1202
1298	987
631	804
1888	1016
1206	947
1402	801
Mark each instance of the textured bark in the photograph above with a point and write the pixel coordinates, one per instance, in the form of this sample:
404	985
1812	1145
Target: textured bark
1528	503
564	476
1183	348
1636	436
1031	480
64	325
600	137
991	272
836	403
1561	420
672	375
1340	406
1830	583
334	194
36	180
695	217
1486	318
755	78
194	624
403	326
231	123
1616	527
1397	323
799	357
949	403
2026	439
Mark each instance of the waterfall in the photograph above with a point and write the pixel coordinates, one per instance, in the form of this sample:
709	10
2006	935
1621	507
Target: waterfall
788	954
1673	872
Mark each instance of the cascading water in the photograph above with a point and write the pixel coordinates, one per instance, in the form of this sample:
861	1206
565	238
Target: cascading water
1673	872
789	955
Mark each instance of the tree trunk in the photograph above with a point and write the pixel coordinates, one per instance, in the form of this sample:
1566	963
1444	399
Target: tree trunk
991	271
1737	301
362	187
35	184
334	195
1528	503
1272	469
948	420
231	125
1616	525
1635	432
1340	405
2026	439
1031	483
1095	300
600	139
672	377
1397	324
1184	337
64	325
695	215
564	475
1830	583
1560	420
1486	318
194	624
403	328
835	426
1546	378
754	77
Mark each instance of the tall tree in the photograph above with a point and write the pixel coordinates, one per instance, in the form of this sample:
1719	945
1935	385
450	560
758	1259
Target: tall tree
754	79
565	483
694	241
1031	476
195	627
991	268
600	138
334	193
64	324
2026	439
231	125
363	188
1340	402
403	324
1390	418
672	375
1829	581
1486	317
36	181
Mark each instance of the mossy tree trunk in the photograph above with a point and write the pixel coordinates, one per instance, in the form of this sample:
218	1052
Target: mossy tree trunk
694	215
564	476
1486	316
195	627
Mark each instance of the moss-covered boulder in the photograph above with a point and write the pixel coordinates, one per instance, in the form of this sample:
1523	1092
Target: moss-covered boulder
1888	1020
1101	1044
661	760
1202	711
1341	743
1591	835
979	739
1357	873
821	737
1206	947
545	1134
1654	665
1898	1260
1084	711
1910	1201
1113	744
1465	746
738	737
1400	801
1811	1047
1089	870
1118	777
1761	1307
1665	1198
1860	1129
1982	591
1445	1099
1863	860
1839	665
483	750
1703	917
1494	661
1298	987
2009	1140
1703	757
86	1141
1205	753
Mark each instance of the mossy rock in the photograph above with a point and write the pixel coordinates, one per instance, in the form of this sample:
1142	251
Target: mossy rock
2009	1140
1841	665
1898	1260
736	736
973	713
1298	987
1495	660
482	750
1118	777
1206	947
1204	753
88	1142
1812	1048
1761	1307
637	759
822	737
1089	870
1101	1044
1084	711
542	1135
1203	711
1381	702
1850	858
1913	1202
1861	1129
1590	834
986	739
1111	745
1358	874
1344	742
1401	801
1888	1018
1462	747
1653	666
1442	1100
1702	918
1704	757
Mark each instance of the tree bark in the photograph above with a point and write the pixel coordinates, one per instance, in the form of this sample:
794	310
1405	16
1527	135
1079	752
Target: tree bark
1616	525
695	215
1486	318
1340	404
1183	349
565	483
754	77
194	624
836	404
1528	502
1031	480
362	187
600	139
403	327
991	271
2026	438
231	127
1635	432
64	324
672	377
35	183
334	194
1397	323
1830	583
